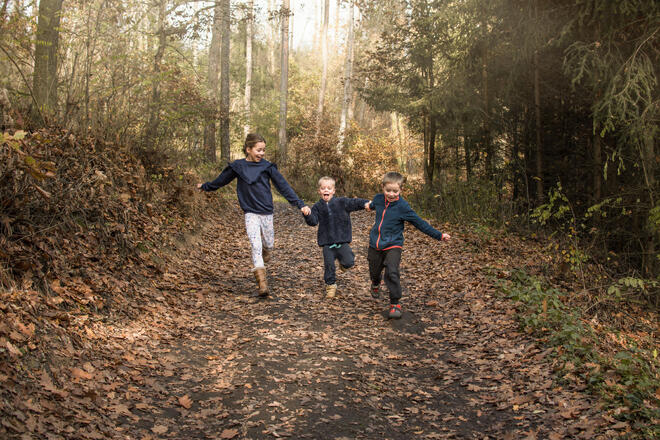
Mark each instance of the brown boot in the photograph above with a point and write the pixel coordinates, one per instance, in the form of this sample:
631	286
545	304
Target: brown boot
260	275
330	290
266	253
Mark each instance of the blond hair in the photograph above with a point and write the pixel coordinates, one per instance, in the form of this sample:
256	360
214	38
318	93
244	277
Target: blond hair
327	179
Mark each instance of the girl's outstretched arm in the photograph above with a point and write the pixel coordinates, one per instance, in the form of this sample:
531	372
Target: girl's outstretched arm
226	176
284	188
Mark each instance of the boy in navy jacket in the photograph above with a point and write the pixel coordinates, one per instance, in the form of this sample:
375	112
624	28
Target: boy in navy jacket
386	238
332	214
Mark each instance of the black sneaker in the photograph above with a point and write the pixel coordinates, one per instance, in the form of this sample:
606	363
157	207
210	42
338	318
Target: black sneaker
375	291
395	311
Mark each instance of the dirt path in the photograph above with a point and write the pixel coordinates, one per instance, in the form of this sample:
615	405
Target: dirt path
210	360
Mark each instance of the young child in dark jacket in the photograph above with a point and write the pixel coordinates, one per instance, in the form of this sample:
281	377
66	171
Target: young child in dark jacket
386	238
332	214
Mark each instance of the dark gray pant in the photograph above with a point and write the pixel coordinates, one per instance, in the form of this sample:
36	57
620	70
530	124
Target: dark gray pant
344	254
388	260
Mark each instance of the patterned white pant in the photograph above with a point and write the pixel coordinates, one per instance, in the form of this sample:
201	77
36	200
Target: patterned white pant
258	225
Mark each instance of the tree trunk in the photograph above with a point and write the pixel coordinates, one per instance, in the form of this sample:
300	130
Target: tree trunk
284	82
457	161
432	126
425	162
338	7
224	82
597	168
431	156
488	145
248	65
154	103
291	17
537	110
272	35
515	159
650	168
468	158
348	73
212	82
44	79
324	71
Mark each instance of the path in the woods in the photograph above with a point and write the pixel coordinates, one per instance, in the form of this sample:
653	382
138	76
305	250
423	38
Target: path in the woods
218	362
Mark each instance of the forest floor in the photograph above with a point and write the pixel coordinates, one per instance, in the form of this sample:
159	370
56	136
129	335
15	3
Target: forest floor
209	359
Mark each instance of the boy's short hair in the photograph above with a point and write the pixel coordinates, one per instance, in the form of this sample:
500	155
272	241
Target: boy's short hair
326	179
394	177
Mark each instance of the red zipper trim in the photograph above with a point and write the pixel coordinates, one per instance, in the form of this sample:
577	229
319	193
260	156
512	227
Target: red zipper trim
381	222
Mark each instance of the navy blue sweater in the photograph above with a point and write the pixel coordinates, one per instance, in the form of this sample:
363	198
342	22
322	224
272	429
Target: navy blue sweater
253	187
387	232
334	219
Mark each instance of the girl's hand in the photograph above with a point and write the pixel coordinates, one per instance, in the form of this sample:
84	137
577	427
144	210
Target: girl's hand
199	185
305	210
367	206
446	237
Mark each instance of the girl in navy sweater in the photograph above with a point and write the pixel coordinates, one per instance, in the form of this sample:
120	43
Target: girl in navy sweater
386	238
254	174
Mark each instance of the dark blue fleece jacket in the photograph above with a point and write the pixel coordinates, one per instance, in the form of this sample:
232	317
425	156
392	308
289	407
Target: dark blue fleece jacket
387	232
253	187
334	219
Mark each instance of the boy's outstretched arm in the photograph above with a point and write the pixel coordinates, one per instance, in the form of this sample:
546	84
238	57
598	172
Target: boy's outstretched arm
356	204
421	224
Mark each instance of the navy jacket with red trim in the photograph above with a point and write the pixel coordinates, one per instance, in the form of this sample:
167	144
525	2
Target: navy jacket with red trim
390	221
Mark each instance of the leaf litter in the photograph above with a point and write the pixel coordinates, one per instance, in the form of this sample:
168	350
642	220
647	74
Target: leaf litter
178	345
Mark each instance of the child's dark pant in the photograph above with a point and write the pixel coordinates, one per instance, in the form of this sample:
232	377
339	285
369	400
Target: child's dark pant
343	253
388	260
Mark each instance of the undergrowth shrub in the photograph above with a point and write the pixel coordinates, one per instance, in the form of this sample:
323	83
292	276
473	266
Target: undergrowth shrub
476	202
627	378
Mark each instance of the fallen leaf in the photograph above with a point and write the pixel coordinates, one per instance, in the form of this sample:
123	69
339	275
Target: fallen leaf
12	349
159	429
229	433
81	374
185	402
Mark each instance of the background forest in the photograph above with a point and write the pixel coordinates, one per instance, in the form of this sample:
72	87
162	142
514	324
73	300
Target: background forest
528	127
502	113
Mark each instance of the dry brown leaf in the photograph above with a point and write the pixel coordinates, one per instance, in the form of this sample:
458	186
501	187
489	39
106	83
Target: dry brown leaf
229	433
12	349
185	401
81	374
159	429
